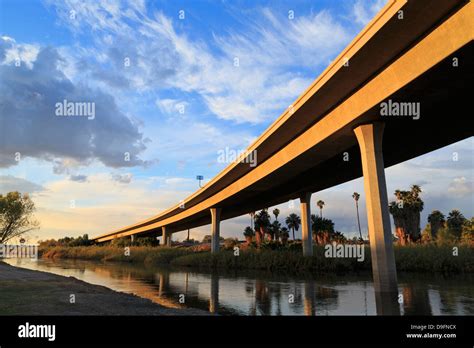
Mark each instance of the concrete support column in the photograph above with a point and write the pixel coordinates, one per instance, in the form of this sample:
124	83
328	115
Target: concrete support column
384	271
132	238
306	224
166	237
215	229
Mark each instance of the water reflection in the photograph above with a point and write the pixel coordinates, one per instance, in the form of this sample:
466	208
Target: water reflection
309	298
416	300
387	303
214	296
263	293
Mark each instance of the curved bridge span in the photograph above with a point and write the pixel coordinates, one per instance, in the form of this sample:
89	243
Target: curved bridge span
424	56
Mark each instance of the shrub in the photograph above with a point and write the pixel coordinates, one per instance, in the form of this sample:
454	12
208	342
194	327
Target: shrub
445	237
230	243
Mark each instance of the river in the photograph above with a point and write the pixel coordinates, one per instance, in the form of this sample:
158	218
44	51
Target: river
265	293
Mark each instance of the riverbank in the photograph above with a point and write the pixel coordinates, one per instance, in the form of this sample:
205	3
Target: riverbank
26	292
417	258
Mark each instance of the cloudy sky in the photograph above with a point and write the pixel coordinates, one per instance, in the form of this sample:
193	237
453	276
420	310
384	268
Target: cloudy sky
173	82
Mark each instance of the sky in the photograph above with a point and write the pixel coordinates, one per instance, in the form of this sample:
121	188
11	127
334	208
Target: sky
173	83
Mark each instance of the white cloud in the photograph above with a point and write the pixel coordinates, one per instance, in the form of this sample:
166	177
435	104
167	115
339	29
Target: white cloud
123	178
461	187
266	46
172	106
67	165
277	41
17	54
94	212
78	178
195	144
28	96
364	11
9	183
177	181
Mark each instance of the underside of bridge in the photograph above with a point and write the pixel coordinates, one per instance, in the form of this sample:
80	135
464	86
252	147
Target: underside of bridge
444	95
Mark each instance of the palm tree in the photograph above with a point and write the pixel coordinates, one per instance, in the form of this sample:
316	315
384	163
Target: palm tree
249	233
455	222
276	212
262	224
339	237
416	190
275	228
322	229
284	235
252	218
406	214
436	220
293	222
320	204
356	197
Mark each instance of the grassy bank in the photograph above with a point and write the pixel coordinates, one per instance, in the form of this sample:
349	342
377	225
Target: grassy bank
147	255
419	258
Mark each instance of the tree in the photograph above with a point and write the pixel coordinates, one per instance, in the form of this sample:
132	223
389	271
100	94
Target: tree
275	228
147	241
276	212
80	241
262	224
322	229
436	220
16	215
284	235
406	214
467	236
356	197
320	204
339	237
248	234
455	222
207	238
426	235
445	237
293	222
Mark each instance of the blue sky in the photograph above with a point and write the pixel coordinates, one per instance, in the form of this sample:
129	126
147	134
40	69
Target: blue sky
173	82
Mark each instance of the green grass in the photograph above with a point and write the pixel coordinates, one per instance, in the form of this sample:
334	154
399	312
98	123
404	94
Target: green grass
23	297
292	261
432	258
148	255
418	258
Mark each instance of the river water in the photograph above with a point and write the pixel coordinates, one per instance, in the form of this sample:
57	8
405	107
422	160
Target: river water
265	293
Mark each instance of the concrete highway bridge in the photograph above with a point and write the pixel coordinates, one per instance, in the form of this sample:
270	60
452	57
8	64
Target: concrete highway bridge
416	53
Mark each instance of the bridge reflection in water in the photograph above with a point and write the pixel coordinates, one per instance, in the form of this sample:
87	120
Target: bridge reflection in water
263	293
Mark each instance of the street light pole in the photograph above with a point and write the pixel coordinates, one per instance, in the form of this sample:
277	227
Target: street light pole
199	178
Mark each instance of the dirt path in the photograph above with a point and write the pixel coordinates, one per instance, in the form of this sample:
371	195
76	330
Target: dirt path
27	292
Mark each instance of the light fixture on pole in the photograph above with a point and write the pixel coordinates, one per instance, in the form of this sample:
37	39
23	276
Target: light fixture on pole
199	178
